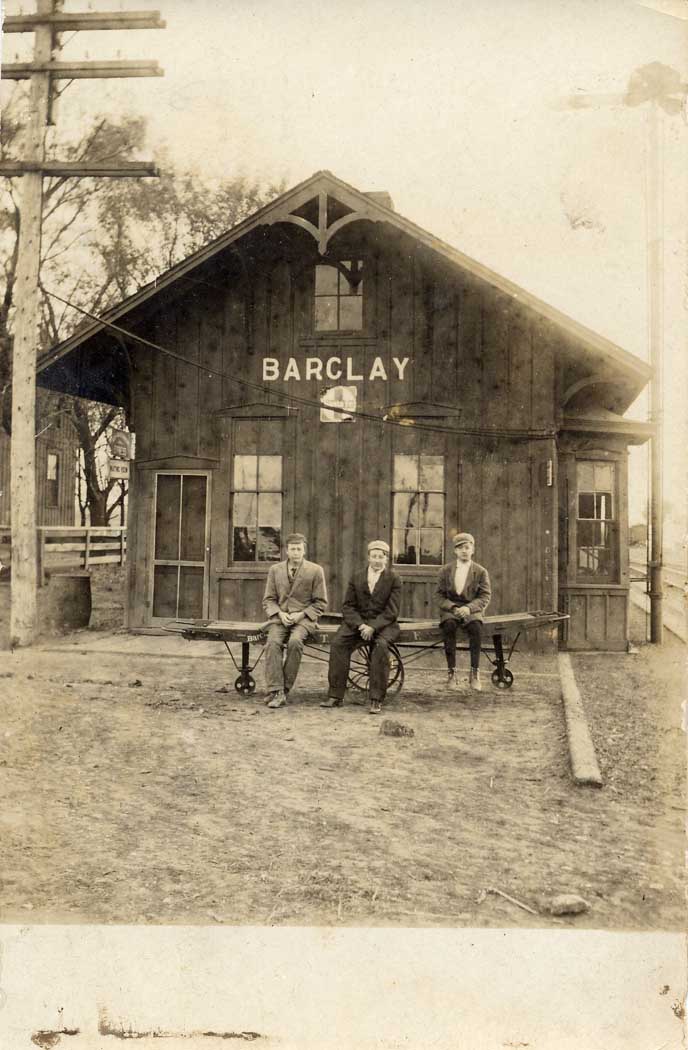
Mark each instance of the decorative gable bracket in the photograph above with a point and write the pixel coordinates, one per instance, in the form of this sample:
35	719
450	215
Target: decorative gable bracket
322	233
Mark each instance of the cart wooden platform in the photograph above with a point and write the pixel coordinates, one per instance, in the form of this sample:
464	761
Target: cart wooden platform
500	637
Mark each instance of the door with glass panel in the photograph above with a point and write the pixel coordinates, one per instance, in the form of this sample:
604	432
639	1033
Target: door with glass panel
180	546
596	522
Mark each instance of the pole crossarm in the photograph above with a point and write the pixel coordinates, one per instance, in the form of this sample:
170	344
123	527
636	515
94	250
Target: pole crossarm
115	170
81	70
63	22
47	23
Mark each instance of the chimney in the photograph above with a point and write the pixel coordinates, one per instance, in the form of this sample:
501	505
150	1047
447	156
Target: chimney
381	197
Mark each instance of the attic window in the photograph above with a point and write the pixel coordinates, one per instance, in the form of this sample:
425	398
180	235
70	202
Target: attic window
339	296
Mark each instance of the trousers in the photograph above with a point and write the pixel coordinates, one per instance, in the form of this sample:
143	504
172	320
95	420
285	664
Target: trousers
474	630
343	644
281	668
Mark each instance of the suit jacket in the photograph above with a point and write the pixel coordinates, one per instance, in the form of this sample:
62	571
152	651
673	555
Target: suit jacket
377	610
306	592
476	591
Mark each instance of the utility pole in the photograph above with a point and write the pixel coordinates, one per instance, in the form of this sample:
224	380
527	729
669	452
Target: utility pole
46	24
23	444
655	266
663	88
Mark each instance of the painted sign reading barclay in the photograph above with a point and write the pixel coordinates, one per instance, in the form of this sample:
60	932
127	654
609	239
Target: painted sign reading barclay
332	368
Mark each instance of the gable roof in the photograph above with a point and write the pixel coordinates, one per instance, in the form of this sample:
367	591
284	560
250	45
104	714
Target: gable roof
368	207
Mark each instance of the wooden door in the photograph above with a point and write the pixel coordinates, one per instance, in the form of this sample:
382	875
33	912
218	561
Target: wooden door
180	546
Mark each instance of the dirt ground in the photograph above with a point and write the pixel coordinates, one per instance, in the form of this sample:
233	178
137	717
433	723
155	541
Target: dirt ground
143	789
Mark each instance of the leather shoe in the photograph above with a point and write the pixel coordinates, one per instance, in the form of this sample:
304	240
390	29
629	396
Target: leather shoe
375	707
278	700
332	701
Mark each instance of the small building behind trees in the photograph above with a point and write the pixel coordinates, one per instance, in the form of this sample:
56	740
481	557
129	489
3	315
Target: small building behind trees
57	448
329	367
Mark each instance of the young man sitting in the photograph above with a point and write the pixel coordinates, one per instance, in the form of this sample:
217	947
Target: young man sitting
369	610
295	596
464	592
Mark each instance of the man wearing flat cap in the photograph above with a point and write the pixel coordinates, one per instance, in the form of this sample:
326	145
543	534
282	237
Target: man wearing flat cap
370	610
295	597
464	592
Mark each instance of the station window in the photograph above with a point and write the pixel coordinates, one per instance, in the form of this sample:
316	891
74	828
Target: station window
52	480
595	523
339	296
418	510
256	529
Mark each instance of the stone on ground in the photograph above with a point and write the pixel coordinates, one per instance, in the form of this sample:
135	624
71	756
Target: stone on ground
392	728
568	904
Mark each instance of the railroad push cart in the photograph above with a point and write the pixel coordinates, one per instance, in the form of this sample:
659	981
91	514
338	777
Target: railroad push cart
418	637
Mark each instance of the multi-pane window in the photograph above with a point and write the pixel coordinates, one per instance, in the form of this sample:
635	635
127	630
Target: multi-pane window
595	518
339	296
256	529
418	510
52	475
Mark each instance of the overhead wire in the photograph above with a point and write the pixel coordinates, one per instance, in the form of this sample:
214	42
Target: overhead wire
515	433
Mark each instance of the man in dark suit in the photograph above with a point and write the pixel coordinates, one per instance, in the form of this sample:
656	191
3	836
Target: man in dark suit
295	596
464	592
370	610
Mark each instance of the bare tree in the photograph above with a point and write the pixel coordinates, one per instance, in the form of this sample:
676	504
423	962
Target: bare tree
101	241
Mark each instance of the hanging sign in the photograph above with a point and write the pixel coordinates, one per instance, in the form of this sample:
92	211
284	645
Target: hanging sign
119	468
120	444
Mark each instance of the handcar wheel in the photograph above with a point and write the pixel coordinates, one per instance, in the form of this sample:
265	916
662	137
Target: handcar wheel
359	669
245	685
396	671
505	680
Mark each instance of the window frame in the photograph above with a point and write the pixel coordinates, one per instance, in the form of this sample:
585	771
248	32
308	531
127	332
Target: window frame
364	266
233	491
442	530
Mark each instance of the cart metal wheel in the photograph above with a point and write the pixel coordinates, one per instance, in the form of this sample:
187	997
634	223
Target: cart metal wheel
505	680
359	670
245	685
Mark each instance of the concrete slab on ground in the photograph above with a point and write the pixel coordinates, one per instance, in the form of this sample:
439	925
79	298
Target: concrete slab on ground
129	644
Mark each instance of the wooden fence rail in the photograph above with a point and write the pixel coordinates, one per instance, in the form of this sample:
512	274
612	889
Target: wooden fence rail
71	547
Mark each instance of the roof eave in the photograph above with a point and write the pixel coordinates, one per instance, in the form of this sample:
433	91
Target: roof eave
635	369
634	431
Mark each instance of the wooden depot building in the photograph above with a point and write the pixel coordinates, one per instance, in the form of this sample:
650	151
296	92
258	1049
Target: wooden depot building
329	367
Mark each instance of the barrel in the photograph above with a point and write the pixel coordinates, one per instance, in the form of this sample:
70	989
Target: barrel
64	604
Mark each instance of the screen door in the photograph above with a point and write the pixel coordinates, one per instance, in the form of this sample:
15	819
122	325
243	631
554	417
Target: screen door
180	564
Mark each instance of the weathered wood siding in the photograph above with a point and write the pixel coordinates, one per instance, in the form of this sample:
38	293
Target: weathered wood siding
62	511
476	359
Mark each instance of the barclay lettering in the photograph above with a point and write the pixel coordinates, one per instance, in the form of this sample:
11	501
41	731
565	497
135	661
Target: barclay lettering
401	365
270	369
333	368
292	370
314	367
328	368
